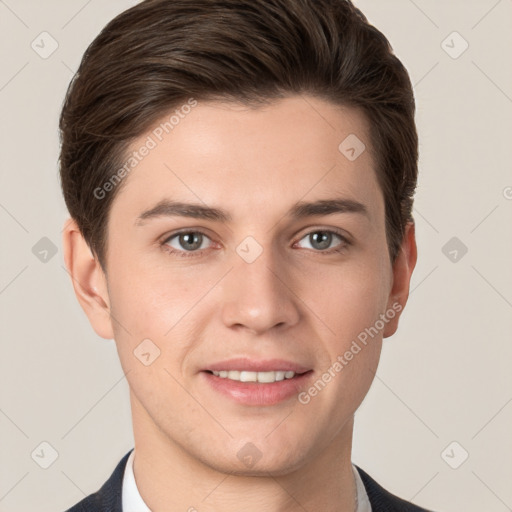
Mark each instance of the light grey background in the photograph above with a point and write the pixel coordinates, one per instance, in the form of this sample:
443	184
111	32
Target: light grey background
444	377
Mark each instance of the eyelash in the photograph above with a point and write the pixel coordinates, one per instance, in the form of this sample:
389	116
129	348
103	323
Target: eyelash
200	252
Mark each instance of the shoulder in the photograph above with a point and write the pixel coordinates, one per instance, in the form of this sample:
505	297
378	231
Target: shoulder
109	497
382	500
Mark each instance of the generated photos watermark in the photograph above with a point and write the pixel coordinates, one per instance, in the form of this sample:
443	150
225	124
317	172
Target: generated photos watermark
343	360
151	142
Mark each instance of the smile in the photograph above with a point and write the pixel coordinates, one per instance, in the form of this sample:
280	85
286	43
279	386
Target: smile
264	377
258	388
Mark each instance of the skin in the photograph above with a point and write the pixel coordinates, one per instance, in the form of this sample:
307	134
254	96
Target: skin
293	302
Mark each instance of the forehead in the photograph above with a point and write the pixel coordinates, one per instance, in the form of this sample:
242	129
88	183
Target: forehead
253	159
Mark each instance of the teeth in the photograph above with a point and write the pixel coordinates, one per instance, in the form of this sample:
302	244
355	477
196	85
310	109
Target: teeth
244	376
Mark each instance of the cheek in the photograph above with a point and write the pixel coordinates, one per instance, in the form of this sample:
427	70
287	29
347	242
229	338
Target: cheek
151	299
347	298
161	304
350	304
349	307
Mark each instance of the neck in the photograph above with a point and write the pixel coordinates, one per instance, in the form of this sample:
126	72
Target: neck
170	476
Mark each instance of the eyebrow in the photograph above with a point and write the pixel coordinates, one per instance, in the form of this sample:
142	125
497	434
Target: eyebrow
300	210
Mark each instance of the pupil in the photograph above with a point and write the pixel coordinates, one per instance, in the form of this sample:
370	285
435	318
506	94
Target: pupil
192	240
325	239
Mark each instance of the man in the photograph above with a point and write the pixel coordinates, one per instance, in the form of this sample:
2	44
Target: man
240	178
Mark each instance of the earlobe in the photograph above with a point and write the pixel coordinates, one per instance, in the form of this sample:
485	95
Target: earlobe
402	271
88	279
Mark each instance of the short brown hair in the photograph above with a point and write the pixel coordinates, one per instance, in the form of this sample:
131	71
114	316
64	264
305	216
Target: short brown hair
156	55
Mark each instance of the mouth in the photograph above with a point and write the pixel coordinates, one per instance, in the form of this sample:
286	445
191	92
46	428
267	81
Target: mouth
257	388
266	377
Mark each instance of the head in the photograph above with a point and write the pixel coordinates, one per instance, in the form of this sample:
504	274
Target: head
249	110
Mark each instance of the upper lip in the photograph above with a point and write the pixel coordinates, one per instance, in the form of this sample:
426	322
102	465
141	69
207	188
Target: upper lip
254	365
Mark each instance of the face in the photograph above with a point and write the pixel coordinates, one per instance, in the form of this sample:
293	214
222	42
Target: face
292	265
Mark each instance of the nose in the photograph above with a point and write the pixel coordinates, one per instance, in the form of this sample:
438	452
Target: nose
259	296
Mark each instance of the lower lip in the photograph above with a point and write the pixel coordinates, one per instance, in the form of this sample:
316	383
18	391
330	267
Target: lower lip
255	393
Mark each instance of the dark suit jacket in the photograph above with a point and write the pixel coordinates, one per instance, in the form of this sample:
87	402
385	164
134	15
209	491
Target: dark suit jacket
109	497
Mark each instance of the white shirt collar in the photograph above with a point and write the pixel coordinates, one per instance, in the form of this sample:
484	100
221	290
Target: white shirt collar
133	502
363	502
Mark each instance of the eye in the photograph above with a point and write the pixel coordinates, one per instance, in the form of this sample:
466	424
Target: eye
193	243
321	239
185	242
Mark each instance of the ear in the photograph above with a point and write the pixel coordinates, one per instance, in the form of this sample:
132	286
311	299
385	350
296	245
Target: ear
88	278
402	272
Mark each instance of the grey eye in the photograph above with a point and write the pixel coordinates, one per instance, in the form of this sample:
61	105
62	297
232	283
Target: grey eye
188	241
321	240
